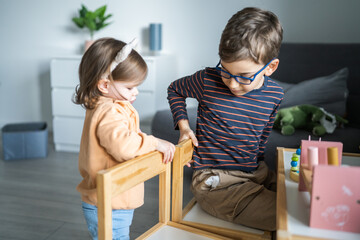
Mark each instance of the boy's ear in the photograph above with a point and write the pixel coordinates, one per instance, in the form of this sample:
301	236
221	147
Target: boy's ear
272	67
103	86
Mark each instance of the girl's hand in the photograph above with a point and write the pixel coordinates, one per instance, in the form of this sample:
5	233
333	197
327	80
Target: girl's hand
167	149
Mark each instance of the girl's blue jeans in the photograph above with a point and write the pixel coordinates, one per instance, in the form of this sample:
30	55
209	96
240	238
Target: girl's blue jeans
121	221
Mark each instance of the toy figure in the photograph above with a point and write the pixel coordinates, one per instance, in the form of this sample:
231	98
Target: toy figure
308	117
295	163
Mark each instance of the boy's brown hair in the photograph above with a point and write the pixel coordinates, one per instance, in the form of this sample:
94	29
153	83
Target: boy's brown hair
253	34
95	64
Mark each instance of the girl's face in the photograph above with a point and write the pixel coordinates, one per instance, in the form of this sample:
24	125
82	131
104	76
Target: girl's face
123	90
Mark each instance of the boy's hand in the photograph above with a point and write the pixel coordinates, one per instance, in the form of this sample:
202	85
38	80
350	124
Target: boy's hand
167	149
186	133
188	164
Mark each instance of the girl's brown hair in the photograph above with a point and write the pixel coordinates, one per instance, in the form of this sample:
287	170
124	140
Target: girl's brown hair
252	34
95	64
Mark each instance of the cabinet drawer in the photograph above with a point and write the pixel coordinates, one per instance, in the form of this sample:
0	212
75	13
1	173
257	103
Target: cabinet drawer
62	104
150	82
145	105
67	130
64	72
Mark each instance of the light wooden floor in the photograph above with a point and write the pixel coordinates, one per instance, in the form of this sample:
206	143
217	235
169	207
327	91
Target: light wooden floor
38	200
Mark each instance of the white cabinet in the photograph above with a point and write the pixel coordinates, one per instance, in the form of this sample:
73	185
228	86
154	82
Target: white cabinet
68	117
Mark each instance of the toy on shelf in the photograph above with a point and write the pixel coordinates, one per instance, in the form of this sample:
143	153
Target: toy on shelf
321	158
295	163
332	153
313	157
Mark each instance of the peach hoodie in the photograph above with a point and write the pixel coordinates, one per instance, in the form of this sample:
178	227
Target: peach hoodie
111	135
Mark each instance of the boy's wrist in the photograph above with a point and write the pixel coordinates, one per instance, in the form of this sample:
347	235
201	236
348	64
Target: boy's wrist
183	124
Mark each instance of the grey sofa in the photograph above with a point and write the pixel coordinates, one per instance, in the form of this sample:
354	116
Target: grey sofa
305	69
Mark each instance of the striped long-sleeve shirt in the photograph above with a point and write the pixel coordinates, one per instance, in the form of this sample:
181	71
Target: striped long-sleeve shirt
232	131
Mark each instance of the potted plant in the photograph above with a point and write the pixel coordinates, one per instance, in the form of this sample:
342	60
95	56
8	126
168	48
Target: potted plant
93	21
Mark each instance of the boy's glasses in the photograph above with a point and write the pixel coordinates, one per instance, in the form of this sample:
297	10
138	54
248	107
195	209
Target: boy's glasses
240	79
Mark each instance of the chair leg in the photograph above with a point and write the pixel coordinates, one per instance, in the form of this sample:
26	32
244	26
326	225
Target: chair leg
104	206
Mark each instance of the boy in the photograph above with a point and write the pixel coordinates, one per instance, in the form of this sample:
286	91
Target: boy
237	107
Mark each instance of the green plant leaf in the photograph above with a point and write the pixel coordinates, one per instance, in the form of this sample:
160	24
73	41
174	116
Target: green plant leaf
83	11
79	22
107	17
90	16
103	25
91	25
94	21
100	11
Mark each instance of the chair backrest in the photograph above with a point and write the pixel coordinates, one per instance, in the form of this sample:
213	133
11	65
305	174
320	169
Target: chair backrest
183	155
115	180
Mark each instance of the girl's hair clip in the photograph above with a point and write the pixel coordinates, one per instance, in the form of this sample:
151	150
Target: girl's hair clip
123	54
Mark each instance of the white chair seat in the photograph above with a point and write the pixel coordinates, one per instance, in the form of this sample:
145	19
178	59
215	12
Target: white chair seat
197	214
168	232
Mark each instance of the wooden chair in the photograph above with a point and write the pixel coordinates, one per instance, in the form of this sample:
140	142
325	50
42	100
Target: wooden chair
192	214
118	179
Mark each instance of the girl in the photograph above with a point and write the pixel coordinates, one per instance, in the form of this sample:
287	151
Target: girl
110	72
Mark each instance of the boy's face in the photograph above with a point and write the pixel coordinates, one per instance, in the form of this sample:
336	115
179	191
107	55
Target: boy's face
246	68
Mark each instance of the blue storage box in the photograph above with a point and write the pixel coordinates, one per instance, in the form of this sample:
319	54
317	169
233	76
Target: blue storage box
25	140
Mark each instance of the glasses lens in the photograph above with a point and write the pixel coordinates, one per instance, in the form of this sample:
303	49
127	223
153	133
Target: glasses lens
224	74
243	81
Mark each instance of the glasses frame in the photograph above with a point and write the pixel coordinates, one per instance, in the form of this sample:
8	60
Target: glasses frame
236	77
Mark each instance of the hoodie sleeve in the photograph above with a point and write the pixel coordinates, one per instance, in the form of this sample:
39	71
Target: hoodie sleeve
120	139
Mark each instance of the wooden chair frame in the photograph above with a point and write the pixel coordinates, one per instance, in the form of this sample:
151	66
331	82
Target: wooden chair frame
115	180
182	156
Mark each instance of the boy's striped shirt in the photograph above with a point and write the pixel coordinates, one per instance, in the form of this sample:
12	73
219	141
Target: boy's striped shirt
232	130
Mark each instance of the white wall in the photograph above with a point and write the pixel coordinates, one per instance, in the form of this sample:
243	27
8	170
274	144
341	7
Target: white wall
33	32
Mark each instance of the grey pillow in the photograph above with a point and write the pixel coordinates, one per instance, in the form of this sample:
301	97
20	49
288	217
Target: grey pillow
285	86
329	92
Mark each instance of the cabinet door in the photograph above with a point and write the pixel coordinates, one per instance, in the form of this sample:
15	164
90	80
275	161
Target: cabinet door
149	85
67	130
145	105
145	101
64	72
62	104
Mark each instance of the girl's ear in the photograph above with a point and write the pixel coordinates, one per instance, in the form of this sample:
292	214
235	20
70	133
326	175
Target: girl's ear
272	67
103	86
